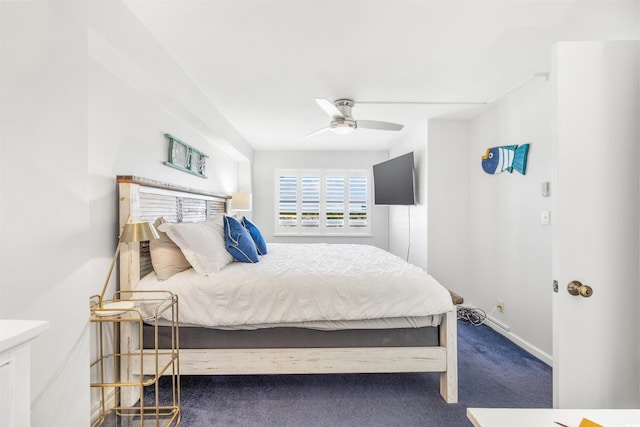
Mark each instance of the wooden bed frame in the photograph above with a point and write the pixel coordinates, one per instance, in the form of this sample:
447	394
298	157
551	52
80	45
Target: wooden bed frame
146	200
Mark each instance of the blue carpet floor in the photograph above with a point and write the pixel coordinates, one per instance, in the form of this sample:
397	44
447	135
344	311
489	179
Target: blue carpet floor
493	372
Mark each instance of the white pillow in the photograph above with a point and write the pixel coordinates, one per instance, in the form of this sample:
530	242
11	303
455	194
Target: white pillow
202	243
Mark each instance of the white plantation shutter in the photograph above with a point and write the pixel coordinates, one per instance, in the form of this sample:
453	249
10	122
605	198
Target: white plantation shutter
323	202
334	201
358	206
310	201
287	201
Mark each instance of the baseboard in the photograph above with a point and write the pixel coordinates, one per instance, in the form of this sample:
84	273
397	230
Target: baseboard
109	402
505	331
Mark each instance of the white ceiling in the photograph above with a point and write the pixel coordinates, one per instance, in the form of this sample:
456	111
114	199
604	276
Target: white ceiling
262	62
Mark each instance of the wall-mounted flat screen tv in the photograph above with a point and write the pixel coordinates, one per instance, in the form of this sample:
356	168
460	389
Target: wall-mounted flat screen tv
394	181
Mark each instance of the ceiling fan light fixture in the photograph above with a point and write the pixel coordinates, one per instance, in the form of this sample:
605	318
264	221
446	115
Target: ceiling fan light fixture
342	128
342	125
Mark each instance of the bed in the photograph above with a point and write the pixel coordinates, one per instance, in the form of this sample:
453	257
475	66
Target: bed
326	312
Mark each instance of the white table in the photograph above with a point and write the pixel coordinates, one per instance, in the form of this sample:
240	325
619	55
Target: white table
500	417
15	368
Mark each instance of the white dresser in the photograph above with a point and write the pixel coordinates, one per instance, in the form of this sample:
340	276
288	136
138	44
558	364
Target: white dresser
499	417
15	370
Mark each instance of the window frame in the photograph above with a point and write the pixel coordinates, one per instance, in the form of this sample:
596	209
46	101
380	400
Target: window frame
322	229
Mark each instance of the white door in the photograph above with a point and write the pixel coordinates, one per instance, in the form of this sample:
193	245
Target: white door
596	224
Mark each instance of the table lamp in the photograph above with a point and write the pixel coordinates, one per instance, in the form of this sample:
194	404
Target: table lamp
241	201
132	232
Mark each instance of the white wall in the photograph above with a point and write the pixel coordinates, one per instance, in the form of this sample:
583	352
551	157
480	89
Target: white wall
264	194
87	93
408	224
485	237
449	198
125	47
44	259
510	251
126	137
131	106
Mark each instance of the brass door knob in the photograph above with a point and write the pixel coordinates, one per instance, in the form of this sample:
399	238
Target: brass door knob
576	288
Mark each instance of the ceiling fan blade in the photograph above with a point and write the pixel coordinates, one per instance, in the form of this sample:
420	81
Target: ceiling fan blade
373	124
329	107
318	132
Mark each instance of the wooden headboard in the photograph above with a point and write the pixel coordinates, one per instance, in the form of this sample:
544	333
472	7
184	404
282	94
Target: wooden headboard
146	200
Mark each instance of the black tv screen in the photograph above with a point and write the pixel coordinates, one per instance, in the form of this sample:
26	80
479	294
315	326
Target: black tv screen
393	181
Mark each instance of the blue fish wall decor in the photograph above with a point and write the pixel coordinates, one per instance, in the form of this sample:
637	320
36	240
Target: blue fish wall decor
506	158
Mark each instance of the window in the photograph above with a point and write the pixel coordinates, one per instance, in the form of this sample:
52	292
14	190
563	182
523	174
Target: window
323	202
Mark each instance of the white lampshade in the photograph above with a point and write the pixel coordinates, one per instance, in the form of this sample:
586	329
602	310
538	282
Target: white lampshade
241	201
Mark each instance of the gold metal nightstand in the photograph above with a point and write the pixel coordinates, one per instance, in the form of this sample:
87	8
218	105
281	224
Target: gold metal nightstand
125	321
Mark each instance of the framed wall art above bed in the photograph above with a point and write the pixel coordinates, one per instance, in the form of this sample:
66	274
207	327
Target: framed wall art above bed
301	308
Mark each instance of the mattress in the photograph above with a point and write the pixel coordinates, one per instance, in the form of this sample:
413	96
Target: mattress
307	284
332	325
292	337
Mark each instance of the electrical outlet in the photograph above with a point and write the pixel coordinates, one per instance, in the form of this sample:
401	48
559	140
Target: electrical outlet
500	305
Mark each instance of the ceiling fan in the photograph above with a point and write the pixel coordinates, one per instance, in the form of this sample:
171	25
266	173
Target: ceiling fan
342	122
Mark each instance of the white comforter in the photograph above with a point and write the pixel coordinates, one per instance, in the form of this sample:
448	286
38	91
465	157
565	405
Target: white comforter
306	283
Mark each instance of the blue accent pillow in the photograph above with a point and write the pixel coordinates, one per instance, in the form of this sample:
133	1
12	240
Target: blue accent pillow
238	241
256	235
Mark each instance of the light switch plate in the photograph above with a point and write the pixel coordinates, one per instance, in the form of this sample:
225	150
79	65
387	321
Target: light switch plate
545	218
